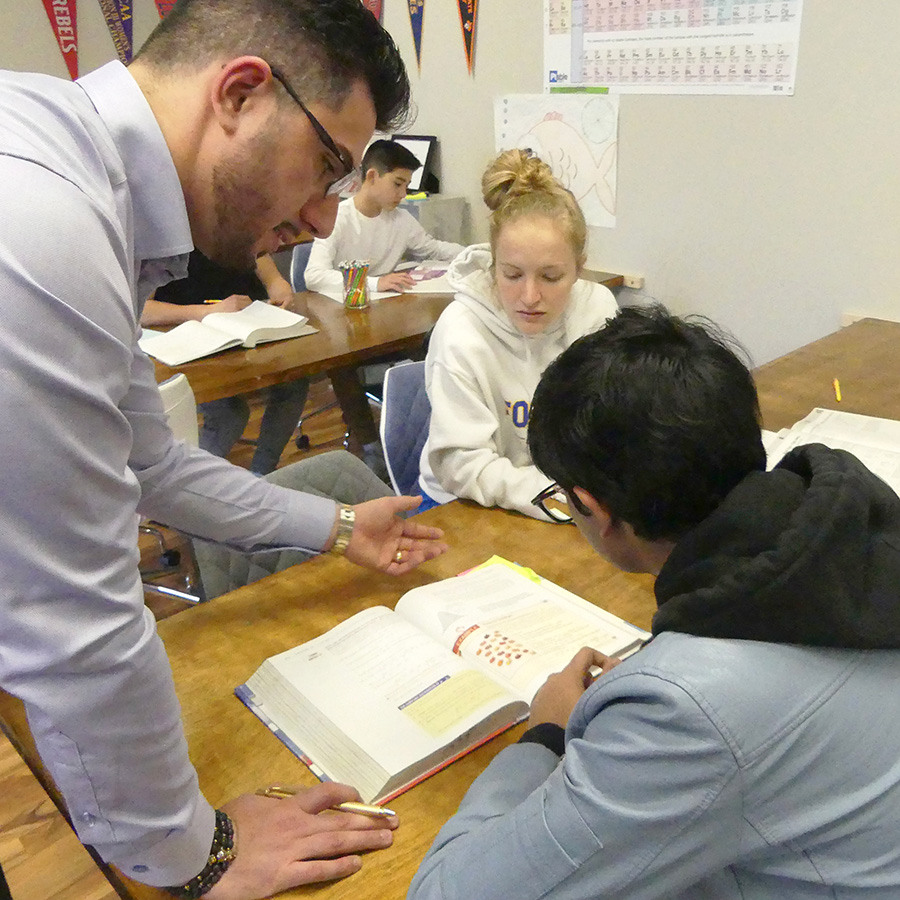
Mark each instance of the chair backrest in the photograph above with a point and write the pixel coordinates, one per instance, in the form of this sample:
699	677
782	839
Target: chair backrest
181	408
299	259
404	424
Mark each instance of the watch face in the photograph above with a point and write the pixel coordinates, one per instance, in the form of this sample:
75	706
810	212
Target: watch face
598	120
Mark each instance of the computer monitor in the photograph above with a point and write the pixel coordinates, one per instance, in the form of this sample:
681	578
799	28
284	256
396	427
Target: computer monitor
422	146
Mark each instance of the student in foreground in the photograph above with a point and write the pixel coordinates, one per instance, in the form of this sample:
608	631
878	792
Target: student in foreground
214	288
370	226
751	751
519	303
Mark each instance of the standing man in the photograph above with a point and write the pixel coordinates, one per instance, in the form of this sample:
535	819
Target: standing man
239	122
752	750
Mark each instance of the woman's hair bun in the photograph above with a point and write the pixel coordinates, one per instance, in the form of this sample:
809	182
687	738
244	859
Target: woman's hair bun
512	173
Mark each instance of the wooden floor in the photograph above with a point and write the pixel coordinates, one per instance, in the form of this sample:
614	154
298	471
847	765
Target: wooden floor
40	854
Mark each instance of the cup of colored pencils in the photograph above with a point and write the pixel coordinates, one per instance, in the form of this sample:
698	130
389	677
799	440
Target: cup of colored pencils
356	290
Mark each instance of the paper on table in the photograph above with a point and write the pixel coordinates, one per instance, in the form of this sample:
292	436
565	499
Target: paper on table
875	442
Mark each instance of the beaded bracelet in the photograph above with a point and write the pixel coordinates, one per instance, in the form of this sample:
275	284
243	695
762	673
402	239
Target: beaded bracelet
221	854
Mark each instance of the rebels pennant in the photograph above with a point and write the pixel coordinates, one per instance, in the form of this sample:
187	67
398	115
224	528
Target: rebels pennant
61	14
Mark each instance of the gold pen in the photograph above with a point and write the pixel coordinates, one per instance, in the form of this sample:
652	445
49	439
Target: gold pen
279	792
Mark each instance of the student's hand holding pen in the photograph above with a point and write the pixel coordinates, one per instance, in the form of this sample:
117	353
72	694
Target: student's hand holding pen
283	841
234	303
557	697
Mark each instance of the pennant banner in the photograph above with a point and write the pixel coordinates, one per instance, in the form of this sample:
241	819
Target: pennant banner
119	22
416	14
467	12
375	7
61	14
164	7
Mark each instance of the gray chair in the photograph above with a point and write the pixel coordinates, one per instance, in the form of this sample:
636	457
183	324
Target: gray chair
338	475
180	408
299	260
405	417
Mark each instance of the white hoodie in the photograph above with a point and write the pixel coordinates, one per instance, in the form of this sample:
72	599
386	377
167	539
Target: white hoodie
481	373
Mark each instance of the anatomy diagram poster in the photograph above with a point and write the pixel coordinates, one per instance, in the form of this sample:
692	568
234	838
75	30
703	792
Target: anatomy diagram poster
672	46
576	135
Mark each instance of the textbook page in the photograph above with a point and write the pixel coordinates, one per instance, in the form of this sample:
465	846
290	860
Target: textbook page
519	628
375	698
875	442
256	323
187	341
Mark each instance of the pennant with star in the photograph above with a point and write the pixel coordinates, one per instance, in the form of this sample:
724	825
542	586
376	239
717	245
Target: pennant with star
64	25
467	11
416	14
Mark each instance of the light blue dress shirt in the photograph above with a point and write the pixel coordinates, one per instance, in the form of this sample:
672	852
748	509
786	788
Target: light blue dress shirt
93	221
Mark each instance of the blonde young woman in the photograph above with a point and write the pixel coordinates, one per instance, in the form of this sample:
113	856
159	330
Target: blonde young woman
519	303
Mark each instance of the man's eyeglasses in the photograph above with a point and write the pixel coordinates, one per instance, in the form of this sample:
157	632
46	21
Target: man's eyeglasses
556	493
348	181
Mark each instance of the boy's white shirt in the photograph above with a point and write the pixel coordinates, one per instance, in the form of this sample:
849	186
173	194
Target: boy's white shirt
384	240
480	374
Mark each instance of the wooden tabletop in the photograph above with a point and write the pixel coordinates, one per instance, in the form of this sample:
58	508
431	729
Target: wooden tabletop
864	357
216	646
346	339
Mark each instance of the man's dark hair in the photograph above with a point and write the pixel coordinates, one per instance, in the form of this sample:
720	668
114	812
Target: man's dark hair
654	416
322	46
385	156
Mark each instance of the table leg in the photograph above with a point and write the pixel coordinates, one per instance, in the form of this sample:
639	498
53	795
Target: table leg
354	407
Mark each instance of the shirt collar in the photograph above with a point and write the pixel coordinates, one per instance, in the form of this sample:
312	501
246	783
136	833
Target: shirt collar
161	227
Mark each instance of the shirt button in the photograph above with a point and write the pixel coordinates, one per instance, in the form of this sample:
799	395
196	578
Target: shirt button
87	818
140	868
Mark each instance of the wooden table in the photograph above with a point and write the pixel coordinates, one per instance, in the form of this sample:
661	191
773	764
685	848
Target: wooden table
864	357
216	646
346	340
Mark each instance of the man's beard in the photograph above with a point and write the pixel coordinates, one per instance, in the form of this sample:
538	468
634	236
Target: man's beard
241	204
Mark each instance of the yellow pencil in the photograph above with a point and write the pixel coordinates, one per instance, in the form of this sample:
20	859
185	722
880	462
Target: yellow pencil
837	390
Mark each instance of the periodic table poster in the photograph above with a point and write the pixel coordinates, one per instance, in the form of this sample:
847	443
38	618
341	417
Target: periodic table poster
671	46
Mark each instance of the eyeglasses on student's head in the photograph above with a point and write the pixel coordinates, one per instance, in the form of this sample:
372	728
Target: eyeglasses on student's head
556	493
349	180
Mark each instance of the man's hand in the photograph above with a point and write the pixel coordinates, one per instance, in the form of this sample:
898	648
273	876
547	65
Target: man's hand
558	695
396	281
281	844
234	303
382	540
281	294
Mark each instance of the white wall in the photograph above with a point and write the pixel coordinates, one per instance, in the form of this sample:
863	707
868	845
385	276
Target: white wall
772	215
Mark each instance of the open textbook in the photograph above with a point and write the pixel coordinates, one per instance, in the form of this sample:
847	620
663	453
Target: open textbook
255	324
874	442
389	697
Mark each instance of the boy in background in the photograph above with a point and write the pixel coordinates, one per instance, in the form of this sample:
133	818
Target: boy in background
224	420
370	226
